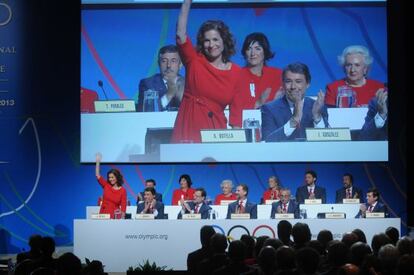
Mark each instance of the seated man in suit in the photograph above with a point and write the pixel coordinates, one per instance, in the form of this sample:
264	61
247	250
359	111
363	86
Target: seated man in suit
310	190
376	120
287	118
348	191
242	205
150	205
197	206
168	83
372	204
149	183
285	205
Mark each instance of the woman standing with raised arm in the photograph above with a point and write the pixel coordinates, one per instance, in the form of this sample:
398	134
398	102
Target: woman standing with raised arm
114	195
210	77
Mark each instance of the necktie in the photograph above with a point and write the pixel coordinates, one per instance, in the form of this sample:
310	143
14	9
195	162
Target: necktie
310	192
241	207
348	194
151	209
284	208
370	208
196	209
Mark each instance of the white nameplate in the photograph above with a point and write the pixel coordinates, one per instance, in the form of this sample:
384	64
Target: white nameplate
226	202
270	201
328	134
375	215
220	136
350	201
244	216
111	106
334	215
313	201
191	217
101	216
144	216
283	216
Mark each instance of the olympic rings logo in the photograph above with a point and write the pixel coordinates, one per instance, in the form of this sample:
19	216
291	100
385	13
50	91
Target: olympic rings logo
245	229
9	14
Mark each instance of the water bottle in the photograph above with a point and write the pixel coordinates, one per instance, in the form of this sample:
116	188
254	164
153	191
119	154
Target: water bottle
303	214
254	126
346	97
212	214
151	101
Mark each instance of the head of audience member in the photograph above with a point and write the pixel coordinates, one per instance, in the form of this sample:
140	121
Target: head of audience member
405	265
114	177
349	239
48	246
259	244
325	236
360	234
250	244
370	265
206	232
347	180
218	243
185	182
378	241
149	194
373	196
256	49
359	251
35	243
301	234
199	195
267	259
242	191
338	253
273	182
318	246
275	243
41	271
150	183
404	245
388	256
310	178
226	187
296	80
284	195
68	264
285	258
348	269
307	260
356	62
284	231
237	251
95	268
215	41
393	234
169	62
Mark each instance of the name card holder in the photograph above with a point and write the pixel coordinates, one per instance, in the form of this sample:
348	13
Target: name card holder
284	216
328	134
334	215
191	217
223	136
350	201
270	201
370	215
113	106
142	216
244	216
100	216
226	202
313	201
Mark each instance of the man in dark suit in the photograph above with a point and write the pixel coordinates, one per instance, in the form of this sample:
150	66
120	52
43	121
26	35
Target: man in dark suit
285	205
287	118
149	183
348	191
372	204
310	190
150	205
195	257
242	205
168	83
197	206
376	122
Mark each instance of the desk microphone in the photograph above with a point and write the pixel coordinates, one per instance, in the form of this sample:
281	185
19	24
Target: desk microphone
210	115
100	84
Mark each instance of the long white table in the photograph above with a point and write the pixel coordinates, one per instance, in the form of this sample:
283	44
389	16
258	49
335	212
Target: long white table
123	243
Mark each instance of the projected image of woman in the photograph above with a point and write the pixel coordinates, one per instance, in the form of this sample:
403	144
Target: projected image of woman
114	195
355	90
258	83
210	78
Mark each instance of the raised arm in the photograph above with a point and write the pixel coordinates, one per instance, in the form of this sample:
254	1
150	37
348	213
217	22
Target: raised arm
98	165
182	21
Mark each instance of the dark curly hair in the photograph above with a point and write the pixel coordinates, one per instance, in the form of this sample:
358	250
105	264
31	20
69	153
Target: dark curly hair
118	176
187	178
262	40
228	41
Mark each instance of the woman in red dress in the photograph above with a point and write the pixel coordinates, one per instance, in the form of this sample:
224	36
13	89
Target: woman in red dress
210	78
273	193
227	187
185	192
114	195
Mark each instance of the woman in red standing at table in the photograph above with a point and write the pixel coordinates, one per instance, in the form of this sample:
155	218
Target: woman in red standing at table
210	78
227	187
114	195
273	192
185	192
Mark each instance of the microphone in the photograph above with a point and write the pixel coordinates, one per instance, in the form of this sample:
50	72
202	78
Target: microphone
100	84
210	115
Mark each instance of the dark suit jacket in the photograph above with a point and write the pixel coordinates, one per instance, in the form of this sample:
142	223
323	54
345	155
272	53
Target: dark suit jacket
159	206
302	194
250	208
292	208
155	83
158	196
369	131
196	257
204	210
341	194
277	113
378	208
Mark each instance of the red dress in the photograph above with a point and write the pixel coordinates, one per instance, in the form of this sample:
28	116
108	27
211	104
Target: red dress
363	94
187	195
207	92
245	98
112	199
267	195
222	197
